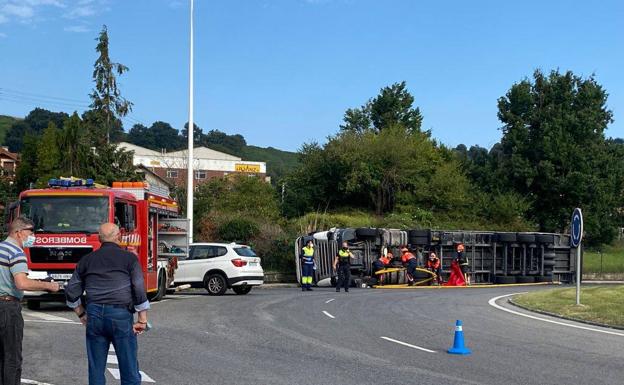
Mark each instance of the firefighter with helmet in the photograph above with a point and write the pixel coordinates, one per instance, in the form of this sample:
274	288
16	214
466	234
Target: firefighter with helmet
434	266
409	261
462	261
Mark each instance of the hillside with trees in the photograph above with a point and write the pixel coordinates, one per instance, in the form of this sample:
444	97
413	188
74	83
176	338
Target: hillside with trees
5	123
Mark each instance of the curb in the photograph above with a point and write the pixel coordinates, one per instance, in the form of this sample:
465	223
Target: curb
277	285
594	282
510	300
404	286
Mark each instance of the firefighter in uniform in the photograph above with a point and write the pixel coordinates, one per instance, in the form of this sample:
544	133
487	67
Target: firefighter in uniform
342	265
462	261
410	262
307	266
434	266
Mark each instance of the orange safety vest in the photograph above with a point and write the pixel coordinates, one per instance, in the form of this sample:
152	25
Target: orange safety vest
406	257
433	264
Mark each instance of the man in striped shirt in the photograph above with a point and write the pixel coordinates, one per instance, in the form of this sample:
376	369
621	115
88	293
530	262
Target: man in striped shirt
13	282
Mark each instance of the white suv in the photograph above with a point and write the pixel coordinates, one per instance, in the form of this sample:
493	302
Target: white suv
219	266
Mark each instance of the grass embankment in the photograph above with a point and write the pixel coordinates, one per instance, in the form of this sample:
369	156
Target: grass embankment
612	259
602	304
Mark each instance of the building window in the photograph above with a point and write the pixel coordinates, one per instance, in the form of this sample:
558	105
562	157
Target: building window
173	174
200	174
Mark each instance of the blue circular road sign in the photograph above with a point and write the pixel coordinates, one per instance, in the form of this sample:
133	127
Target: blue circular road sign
576	228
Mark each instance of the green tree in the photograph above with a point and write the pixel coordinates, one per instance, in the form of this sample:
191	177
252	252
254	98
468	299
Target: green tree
49	154
106	98
158	136
108	163
392	107
381	160
238	195
220	141
74	146
34	123
26	173
198	134
554	151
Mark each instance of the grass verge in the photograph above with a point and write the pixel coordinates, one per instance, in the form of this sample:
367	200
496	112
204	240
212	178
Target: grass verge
602	304
611	260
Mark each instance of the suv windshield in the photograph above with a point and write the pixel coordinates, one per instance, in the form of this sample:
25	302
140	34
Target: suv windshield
65	214
244	251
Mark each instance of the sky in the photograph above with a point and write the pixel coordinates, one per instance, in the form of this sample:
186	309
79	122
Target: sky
282	72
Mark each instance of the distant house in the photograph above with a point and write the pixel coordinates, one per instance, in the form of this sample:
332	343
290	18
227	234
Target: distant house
207	164
8	162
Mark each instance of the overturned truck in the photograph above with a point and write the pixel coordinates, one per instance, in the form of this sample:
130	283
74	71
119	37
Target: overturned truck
494	257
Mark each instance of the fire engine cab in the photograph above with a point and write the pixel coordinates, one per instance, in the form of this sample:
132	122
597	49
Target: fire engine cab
67	216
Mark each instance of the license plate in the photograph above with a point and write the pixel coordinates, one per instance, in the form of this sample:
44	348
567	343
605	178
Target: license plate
60	276
253	263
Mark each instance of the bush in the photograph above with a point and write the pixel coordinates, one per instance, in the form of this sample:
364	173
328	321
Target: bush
239	230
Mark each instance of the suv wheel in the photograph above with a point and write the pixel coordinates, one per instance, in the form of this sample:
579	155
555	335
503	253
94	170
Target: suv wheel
241	290
215	284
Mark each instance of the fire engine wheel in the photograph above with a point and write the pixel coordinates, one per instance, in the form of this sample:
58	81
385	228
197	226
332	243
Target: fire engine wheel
215	284
162	287
33	305
241	290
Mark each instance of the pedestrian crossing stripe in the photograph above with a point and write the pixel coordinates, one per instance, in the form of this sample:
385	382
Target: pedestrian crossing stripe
116	375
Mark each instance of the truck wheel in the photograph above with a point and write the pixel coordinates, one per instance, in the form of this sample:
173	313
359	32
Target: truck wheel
505	237
33	305
505	279
526	237
365	232
215	284
162	287
525	279
545	238
242	290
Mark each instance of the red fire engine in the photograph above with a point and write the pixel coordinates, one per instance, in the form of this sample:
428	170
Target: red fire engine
67	216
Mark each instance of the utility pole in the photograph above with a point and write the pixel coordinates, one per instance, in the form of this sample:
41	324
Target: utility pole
190	132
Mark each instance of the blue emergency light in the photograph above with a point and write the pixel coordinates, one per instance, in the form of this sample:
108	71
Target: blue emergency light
70	183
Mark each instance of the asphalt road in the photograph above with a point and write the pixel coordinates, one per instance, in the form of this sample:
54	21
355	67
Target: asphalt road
284	336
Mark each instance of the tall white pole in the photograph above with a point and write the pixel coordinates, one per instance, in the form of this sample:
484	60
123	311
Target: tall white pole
190	131
578	274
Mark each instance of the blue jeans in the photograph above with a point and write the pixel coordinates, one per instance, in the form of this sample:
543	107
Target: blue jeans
106	324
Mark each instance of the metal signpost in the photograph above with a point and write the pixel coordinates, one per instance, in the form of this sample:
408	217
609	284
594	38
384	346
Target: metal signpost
576	235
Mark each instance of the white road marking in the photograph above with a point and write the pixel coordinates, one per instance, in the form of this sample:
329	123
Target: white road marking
116	375
493	303
33	382
329	300
408	345
45	316
327	314
52	322
112	359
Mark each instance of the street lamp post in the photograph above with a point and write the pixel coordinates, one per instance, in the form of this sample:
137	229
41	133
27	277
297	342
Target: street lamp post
190	132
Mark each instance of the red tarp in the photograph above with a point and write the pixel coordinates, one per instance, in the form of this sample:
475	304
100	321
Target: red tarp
457	277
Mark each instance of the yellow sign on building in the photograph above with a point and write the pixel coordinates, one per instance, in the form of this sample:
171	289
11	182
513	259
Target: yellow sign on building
243	167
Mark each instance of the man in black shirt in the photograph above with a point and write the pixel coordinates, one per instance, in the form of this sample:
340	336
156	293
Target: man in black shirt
113	281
